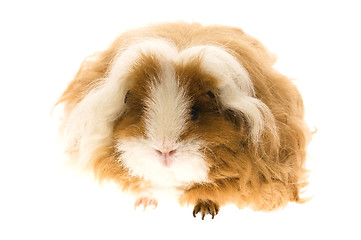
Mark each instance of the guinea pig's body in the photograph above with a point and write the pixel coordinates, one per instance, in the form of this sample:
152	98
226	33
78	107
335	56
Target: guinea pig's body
197	112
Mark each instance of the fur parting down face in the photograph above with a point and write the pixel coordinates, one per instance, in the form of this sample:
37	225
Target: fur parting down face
196	111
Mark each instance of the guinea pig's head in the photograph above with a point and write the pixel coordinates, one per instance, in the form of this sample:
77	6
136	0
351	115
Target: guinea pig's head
172	116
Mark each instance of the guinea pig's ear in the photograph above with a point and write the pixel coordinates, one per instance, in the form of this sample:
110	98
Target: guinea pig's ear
88	125
257	114
236	90
93	102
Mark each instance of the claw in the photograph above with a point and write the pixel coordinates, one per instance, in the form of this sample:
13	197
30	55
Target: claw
196	210
206	207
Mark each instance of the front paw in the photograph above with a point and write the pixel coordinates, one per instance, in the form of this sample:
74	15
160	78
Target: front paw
206	207
145	202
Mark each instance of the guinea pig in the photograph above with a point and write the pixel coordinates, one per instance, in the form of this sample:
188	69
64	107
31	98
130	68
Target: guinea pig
191	111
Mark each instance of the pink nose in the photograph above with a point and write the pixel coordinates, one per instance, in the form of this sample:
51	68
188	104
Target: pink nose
166	153
165	156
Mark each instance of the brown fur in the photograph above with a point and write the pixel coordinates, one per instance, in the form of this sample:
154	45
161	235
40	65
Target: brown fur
265	176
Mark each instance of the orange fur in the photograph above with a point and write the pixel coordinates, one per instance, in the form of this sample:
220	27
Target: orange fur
266	176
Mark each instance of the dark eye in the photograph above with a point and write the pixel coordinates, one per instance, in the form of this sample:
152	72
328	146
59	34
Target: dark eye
194	113
126	97
211	94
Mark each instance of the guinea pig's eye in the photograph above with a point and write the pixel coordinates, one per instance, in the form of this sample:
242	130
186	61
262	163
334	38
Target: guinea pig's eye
194	113
126	96
211	94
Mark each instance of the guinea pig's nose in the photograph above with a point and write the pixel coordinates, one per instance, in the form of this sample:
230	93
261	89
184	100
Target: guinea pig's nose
165	152
165	155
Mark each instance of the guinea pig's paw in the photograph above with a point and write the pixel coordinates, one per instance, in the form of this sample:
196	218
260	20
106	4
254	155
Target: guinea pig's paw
145	202
206	207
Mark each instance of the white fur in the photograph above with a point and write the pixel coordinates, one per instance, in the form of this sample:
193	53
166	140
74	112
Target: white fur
90	124
188	166
217	62
167	110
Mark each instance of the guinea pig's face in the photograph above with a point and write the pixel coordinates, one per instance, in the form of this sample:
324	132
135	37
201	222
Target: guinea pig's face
179	109
162	136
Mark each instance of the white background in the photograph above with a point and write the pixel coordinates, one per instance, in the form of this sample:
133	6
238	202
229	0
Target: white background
41	47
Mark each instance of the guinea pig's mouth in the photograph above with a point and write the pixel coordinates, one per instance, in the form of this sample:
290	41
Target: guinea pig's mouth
166	161
181	163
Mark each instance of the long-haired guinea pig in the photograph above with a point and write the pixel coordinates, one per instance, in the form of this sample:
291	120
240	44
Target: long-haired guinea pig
196	112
